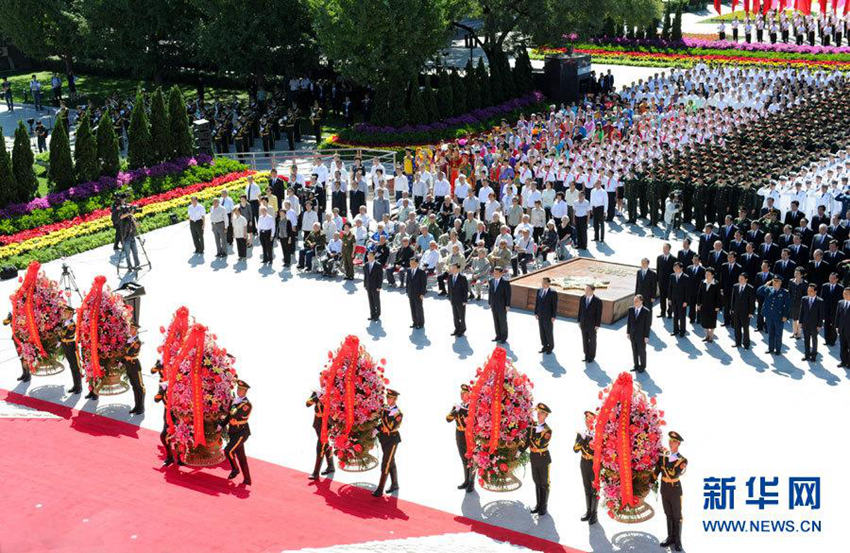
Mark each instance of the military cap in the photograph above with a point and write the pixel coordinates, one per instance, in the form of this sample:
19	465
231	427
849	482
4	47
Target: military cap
543	407
464	387
675	436
242	384
589	414
392	393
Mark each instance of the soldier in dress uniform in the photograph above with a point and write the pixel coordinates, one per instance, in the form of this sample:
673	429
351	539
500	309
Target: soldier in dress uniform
322	450
458	415
584	445
134	371
69	347
539	436
25	373
389	437
671	466
238	432
162	396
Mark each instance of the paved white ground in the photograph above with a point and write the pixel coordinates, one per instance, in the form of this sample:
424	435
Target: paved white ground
741	414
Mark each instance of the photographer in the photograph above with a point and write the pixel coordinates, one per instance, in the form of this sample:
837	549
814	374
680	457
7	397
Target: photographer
115	213
129	231
672	208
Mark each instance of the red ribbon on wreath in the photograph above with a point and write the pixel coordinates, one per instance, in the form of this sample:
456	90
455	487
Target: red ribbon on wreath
621	392
347	353
176	333
198	337
496	364
92	300
26	291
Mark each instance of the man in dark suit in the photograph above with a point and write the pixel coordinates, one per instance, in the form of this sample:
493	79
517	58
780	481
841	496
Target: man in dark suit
646	283
637	331
728	279
750	262
678	288
762	278
755	234
716	257
833	255
727	232
842	326
589	319
821	240
499	298
794	215
416	286
696	274
784	267
706	241
546	309
821	218
818	272
277	187
743	307
738	244
811	319
799	251
768	251
373	276
831	293
806	234
458	295
664	270
685	256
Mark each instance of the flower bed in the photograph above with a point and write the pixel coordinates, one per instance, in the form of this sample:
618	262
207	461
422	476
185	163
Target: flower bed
162	178
352	395
103	330
479	120
627	442
37	319
500	403
201	380
690	43
70	237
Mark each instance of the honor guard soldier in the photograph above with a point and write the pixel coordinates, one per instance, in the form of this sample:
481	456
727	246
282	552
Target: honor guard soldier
390	438
539	436
584	445
238	432
458	414
68	336
322	450
25	373
162	397
134	371
671	466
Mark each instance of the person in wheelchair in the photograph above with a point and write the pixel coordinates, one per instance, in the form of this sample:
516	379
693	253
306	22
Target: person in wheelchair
480	269
548	241
334	255
403	255
565	238
381	249
524	248
456	257
430	259
313	242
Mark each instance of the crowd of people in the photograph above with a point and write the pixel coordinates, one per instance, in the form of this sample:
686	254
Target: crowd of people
777	26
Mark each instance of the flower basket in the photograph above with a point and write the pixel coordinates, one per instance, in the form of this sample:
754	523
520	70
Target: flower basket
201	380
352	392
500	403
627	444
37	322
103	328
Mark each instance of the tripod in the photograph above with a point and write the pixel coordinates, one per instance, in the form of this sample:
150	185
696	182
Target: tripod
141	242
68	282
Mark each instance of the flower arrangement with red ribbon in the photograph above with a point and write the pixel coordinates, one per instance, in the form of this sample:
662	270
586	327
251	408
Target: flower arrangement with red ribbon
500	403
174	338
104	321
37	317
201	380
352	395
627	442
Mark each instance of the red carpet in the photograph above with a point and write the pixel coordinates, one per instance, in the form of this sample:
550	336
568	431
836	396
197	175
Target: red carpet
89	483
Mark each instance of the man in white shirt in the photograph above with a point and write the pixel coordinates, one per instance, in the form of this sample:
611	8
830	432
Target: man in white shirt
197	213
219	223
599	204
442	188
265	227
400	184
252	193
227	203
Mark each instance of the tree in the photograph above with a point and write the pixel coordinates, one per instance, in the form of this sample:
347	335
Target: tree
676	31
107	147
458	93
8	187
495	82
61	169
523	78
44	28
160	128
139	147
483	83
473	90
85	151
22	160
178	119
665	25
430	101
380	42
445	98
417	112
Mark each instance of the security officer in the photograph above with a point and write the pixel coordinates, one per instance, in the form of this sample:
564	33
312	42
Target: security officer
671	466
134	371
322	450
238	432
539	436
162	396
458	414
25	373
68	336
584	445
776	306
390	438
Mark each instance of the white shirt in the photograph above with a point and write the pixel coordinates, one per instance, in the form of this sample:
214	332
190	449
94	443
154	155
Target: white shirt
442	187
252	191
240	226
429	259
227	204
265	222
598	197
218	215
197	212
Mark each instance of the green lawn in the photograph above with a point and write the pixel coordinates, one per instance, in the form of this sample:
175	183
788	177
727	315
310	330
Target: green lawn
97	88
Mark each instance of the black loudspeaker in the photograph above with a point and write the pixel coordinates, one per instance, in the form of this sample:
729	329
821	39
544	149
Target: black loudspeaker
131	293
565	76
203	136
8	272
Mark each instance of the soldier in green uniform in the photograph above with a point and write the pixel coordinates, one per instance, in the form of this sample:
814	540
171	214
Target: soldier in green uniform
458	415
162	397
539	435
671	466
69	348
390	438
348	240
322	450
584	445
134	371
238	432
